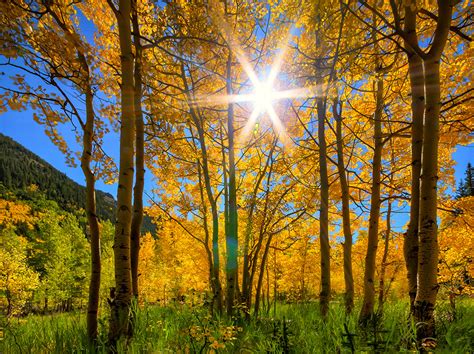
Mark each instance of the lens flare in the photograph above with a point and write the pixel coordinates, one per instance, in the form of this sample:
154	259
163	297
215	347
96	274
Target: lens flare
264	96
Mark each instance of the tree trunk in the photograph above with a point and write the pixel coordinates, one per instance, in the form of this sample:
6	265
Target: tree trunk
139	158
215	269
263	263
215	264
216	291
86	158
8	295
216	257
259	246
428	249
428	229
232	235
415	70
246	284
346	217
325	294
383	265
121	295
246	275
367	309
92	219
267	311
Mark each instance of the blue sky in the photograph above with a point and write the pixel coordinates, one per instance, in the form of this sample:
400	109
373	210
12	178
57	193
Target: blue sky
21	127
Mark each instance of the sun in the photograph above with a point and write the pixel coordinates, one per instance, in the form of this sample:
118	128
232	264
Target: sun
263	96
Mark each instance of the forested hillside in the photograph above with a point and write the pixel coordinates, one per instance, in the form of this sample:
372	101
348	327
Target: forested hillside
21	168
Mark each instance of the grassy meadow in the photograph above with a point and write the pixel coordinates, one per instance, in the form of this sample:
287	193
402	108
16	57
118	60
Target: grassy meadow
288	328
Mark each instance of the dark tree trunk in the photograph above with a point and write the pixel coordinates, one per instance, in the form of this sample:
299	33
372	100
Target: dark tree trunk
139	157
325	294
92	219
383	265
367	309
232	234
346	217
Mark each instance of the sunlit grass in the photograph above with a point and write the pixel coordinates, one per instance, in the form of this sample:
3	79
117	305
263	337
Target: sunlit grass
183	329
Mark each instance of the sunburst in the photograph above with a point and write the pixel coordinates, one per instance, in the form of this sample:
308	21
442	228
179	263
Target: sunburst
264	95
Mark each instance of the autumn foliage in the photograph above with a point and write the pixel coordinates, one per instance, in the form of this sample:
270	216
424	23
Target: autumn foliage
298	151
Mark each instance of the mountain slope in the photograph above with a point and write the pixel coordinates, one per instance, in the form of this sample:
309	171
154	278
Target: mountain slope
19	168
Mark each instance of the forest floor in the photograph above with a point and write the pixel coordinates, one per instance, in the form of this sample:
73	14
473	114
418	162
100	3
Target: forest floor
288	328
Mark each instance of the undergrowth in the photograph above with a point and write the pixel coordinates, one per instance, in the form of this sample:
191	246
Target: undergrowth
296	328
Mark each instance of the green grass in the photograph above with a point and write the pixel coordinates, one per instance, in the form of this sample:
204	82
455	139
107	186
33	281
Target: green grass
296	328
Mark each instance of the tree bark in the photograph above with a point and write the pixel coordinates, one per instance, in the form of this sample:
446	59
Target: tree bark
216	260
346	217
428	248
415	70
367	309
216	284
261	274
232	234
247	280
86	158
259	244
139	157
214	280
122	294
428	229
92	219
325	294
246	284
8	295
383	265
215	270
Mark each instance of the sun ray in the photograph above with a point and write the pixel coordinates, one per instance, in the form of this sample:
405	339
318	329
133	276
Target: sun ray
300	92
227	33
264	95
278	126
276	67
249	126
222	99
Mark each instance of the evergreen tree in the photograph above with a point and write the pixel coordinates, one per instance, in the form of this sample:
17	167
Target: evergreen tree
466	186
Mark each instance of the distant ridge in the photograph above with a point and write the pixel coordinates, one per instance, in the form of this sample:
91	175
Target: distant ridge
20	168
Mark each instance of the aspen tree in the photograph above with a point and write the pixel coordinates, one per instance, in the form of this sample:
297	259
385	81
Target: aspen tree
367	310
427	284
121	298
66	57
346	218
232	230
415	70
140	152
